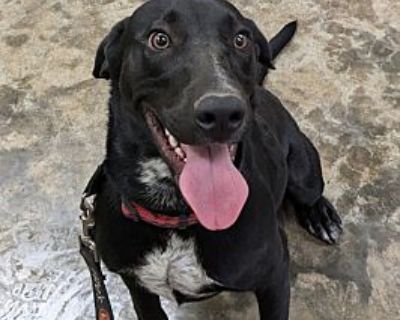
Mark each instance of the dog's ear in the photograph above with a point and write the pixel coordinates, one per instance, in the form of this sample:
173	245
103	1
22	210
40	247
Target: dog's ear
268	51
283	37
264	53
107	64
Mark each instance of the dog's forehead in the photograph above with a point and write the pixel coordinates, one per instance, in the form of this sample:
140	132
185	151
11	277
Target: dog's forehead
204	13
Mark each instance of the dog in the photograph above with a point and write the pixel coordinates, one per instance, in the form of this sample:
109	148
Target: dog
200	158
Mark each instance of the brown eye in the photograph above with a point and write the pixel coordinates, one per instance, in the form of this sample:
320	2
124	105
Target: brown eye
159	41
241	41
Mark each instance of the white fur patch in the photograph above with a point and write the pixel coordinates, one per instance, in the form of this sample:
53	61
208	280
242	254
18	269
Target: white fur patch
153	174
152	171
174	268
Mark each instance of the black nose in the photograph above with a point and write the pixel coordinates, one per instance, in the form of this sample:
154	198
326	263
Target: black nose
220	117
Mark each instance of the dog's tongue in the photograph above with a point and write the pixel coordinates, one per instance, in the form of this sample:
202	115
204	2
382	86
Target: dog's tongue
212	186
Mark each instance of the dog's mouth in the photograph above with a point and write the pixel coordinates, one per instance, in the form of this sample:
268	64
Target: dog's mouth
172	150
206	174
169	147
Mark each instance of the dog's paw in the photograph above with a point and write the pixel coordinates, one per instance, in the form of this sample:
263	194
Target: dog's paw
321	220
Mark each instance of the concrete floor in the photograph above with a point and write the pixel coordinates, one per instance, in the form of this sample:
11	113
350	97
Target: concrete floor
340	78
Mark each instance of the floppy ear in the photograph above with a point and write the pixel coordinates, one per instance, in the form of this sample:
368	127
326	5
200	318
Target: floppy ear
264	53
107	64
282	38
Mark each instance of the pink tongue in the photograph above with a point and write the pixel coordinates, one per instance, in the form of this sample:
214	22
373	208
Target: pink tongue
212	186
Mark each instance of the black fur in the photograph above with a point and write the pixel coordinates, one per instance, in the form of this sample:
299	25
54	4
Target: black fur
275	157
282	38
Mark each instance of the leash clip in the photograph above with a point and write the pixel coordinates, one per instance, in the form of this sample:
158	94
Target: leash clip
88	224
88	249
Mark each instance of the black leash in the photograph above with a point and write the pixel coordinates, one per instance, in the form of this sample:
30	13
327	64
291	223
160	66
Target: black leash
88	248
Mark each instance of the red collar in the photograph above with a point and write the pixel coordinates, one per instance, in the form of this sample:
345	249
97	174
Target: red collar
137	213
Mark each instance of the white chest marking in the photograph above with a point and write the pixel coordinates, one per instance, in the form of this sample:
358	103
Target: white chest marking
174	268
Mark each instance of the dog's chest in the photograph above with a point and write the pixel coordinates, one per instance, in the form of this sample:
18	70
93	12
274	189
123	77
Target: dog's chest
175	268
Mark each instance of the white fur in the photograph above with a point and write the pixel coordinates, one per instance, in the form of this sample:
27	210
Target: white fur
152	171
174	268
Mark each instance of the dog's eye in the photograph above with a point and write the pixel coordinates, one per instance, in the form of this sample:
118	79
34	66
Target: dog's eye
241	41
159	41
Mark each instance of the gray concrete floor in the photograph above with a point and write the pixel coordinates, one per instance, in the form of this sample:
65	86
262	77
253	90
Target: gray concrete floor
340	79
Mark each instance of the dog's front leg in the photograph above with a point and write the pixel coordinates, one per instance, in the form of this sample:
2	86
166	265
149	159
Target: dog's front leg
305	188
273	302
147	305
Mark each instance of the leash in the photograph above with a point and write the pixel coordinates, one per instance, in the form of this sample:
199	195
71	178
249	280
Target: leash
88	250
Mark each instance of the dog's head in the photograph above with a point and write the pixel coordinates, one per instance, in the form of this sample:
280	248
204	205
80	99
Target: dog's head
189	70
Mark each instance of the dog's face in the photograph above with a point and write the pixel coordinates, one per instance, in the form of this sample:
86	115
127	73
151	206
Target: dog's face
193	65
189	69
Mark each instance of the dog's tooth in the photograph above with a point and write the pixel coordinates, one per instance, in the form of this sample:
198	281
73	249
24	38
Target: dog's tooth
172	141
232	150
167	133
180	153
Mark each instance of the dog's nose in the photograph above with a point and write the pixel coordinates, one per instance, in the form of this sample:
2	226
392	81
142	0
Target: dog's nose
220	117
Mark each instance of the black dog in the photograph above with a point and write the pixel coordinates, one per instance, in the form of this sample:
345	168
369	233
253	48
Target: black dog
203	156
